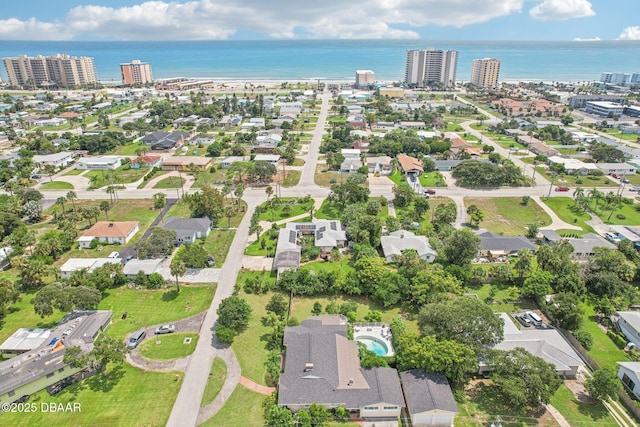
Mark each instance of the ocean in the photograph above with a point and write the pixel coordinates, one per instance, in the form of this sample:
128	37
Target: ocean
296	60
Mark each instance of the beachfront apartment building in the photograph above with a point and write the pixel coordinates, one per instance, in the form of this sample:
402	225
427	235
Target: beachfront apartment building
431	67
604	108
136	72
485	72
365	78
44	71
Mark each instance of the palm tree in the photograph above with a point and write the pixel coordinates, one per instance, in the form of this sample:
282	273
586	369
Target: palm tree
178	269
72	196
269	191
595	195
60	201
104	207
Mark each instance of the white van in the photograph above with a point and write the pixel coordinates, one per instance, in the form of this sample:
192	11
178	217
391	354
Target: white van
114	255
534	318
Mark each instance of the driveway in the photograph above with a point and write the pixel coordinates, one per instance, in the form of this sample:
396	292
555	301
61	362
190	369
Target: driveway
193	275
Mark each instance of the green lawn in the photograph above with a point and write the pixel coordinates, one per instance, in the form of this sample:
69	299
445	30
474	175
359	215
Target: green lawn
181	209
432	179
169	346
75	172
56	185
630	215
295	209
255	248
129	149
170	182
329	210
292	178
242	408
217	375
217	177
501	301
121	175
249	345
129	397
579	413
218	243
326	178
22	315
151	307
568	211
507	215
397	177
604	351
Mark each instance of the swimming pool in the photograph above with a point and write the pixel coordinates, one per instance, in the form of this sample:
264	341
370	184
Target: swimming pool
374	344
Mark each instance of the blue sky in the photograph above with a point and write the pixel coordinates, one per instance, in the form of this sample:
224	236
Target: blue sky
329	19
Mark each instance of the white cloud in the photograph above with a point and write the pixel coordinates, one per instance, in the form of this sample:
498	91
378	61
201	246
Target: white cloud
594	39
220	19
630	33
552	10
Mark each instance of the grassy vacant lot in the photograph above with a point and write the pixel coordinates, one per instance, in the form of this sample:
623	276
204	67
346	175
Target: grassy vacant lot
567	210
507	215
329	210
219	176
218	243
168	347
326	178
151	307
630	216
578	413
267	213
242	408
217	375
128	397
291	178
170	182
255	249
181	209
124	174
56	185
130	149
432	179
249	345
501	301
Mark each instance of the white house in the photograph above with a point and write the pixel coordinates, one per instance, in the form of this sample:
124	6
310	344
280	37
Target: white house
573	166
617	168
629	374
350	153
228	161
402	240
271	158
109	232
99	163
87	264
629	324
61	159
147	266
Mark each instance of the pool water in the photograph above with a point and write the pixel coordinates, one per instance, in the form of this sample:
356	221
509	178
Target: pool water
375	345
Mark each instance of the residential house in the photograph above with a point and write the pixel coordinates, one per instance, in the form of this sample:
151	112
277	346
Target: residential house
573	166
59	160
410	165
85	264
350	153
629	325
322	366
328	234
230	120
398	241
110	232
542	341
54	122
147	266
583	247
43	366
23	340
629	374
274	159
617	168
405	124
99	163
539	147
254	123
350	165
161	140
429	398
228	161
494	245
202	139
265	148
360	144
382	165
146	162
188	230
446	165
185	163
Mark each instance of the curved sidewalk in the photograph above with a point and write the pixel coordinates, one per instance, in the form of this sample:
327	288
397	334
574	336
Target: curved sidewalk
556	222
231	380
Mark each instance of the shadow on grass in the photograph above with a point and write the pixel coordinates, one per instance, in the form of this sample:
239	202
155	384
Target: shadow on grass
170	295
105	382
491	402
595	410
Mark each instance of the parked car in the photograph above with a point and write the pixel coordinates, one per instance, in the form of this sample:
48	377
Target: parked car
136	338
615	175
165	329
211	262
562	188
612	237
430	191
634	188
524	321
625	180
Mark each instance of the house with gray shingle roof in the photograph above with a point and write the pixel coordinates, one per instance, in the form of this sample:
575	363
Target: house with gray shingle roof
322	366
398	241
429	398
492	244
629	324
188	229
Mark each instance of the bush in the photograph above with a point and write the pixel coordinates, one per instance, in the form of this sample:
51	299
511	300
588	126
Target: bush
621	216
617	339
584	338
225	334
